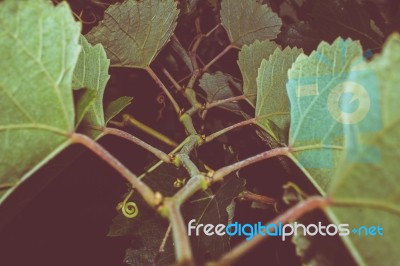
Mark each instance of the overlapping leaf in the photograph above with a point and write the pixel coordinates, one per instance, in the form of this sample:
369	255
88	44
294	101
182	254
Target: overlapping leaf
248	21
369	175
91	74
134	32
272	108
37	60
249	61
220	86
316	131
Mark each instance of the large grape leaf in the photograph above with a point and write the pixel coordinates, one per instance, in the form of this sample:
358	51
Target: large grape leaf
38	52
249	61
272	107
134	32
91	74
248	21
314	89
369	175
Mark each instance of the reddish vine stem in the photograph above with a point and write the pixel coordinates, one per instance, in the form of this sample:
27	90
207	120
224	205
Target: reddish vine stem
161	250
164	89
122	134
145	191
221	173
221	54
227	129
292	214
228	100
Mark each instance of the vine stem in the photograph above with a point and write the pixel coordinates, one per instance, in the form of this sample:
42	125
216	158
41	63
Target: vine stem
221	173
165	90
161	250
122	134
227	129
183	250
145	191
292	214
221	54
227	100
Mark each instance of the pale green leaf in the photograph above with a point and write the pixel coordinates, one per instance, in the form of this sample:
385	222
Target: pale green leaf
38	52
85	100
248	21
249	61
115	107
369	175
316	132
220	86
272	108
134	32
91	73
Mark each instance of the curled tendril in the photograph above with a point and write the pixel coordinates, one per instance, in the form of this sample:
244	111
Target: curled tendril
128	208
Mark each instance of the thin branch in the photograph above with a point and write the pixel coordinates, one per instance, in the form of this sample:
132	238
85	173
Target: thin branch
221	173
292	214
183	250
249	196
161	250
165	90
227	100
152	132
122	134
145	191
227	129
221	54
172	79
208	34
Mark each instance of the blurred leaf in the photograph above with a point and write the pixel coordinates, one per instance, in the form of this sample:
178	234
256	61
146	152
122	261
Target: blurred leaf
91	73
315	129
369	175
272	106
134	32
248	21
115	107
38	53
249	61
218	86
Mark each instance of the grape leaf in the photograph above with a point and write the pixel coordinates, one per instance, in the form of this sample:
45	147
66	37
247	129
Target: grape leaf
272	108
369	175
115	107
248	21
38	53
91	73
316	132
134	32
249	61
219	86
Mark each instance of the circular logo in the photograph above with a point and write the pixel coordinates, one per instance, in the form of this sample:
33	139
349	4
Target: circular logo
359	93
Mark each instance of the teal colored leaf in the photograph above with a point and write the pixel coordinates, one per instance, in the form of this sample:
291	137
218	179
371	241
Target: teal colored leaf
316	131
272	107
134	32
220	86
37	59
367	180
115	107
249	61
248	21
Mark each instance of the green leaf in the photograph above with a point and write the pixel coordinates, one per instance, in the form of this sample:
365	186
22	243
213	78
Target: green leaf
369	175
248	21
134	32
272	108
37	59
115	107
220	86
316	132
249	61
91	73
